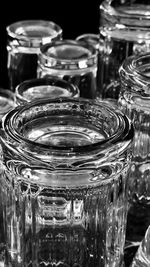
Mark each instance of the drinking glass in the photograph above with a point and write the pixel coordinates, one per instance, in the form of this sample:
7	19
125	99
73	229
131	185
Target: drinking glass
134	101
50	87
64	183
73	61
124	31
24	39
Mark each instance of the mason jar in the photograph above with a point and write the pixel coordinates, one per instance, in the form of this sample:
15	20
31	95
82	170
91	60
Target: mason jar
24	39
50	87
134	101
64	182
73	61
124	31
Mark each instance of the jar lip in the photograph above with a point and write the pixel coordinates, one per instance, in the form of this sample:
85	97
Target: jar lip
34	32
131	69
77	54
109	7
124	131
53	82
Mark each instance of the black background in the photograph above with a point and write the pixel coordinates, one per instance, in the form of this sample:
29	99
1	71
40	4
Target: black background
74	17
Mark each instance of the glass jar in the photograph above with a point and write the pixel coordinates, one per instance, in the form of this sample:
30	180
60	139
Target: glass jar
24	39
124	31
134	101
65	169
50	87
73	61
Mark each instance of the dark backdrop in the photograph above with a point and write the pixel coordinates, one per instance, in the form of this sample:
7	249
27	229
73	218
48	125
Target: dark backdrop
74	16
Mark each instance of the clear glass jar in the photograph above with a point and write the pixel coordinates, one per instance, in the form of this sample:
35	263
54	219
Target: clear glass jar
134	101
65	169
74	61
50	87
124	31
24	39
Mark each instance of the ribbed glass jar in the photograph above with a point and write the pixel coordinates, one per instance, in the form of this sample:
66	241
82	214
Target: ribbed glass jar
124	31
64	183
134	101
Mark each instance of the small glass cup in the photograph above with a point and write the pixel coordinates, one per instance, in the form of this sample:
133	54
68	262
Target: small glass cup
50	87
134	101
64	184
74	61
24	39
124	31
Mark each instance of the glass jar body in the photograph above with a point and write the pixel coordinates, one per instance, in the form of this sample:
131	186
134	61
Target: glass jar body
124	31
73	61
24	39
134	101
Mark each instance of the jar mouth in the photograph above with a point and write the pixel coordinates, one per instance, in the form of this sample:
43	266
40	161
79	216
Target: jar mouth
67	126
135	70
47	87
33	33
123	9
68	54
125	20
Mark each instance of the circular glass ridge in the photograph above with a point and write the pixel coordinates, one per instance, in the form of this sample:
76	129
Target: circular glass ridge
135	70
38	87
34	32
126	10
67	54
13	124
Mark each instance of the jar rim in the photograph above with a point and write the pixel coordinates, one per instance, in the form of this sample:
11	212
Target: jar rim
33	33
51	57
123	133
133	71
53	82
